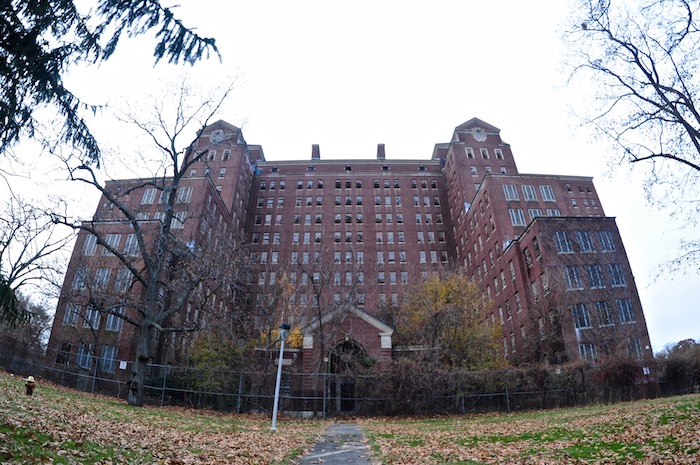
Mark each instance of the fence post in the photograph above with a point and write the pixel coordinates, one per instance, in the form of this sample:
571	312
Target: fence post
507	398
165	380
240	388
94	374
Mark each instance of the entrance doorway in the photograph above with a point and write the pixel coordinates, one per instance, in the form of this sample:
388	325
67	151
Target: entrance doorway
347	360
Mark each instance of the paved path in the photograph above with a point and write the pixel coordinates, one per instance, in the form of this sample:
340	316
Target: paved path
340	443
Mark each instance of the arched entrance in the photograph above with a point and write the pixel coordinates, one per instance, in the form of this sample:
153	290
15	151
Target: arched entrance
347	360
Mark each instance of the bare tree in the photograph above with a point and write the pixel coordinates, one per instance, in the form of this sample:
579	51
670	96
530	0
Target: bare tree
30	249
640	62
169	271
26	343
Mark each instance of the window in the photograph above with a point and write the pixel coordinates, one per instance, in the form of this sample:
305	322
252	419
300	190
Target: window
84	358
635	347
484	153
573	278
535	292
102	277
510	191
617	278
517	218
595	276
604	315
587	351
149	195
606	241
222	172
380	277
422	256
499	154
131	246
511	267
92	318
122	282
584	241
553	212
529	192
114	321
90	245
469	151
563	243
624	308
112	241
547	193
178	221
70	317
534	213
581	318
545	283
107	357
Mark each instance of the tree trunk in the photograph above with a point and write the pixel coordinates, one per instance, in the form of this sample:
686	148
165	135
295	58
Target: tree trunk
138	371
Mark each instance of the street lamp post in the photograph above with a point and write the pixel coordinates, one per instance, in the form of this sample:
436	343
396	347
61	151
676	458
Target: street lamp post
284	327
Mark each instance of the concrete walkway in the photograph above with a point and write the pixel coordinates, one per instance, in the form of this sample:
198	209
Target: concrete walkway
340	443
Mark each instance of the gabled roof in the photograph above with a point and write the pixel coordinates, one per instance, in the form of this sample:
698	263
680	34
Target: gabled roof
382	328
220	124
470	127
477	123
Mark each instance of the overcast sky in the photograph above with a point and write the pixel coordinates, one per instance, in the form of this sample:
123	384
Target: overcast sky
350	75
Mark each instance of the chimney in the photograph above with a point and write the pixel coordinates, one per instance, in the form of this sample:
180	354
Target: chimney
380	152
315	152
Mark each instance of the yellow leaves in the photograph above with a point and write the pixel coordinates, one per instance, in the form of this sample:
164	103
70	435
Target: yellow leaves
447	313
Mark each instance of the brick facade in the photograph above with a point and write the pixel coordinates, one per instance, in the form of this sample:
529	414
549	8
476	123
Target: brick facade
355	234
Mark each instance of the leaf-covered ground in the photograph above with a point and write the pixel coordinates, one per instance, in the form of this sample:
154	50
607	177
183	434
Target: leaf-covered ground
662	431
59	425
64	426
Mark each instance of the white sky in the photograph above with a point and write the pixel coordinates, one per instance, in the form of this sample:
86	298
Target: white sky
348	76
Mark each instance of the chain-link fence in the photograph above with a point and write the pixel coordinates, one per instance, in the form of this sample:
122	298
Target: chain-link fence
391	392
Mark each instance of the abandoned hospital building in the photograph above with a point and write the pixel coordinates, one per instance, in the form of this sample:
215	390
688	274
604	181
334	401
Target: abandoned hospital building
539	246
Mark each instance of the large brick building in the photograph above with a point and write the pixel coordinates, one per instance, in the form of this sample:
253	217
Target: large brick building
336	243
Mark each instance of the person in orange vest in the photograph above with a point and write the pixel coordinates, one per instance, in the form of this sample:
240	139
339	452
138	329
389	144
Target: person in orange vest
30	383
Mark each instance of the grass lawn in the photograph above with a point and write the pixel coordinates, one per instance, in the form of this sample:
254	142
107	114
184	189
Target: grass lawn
65	426
654	432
